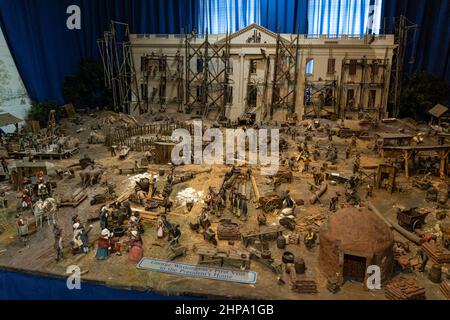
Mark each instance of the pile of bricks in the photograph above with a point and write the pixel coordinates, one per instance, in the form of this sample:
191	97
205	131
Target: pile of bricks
404	289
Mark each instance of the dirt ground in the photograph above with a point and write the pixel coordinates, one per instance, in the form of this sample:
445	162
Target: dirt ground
37	255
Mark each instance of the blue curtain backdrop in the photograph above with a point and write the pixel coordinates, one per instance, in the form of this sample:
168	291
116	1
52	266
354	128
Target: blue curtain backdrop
336	17
431	50
45	51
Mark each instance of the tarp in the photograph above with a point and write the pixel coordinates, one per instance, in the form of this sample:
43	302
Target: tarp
7	118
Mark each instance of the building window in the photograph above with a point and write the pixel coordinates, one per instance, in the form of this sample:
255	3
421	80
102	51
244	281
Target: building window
253	66
229	97
331	66
199	65
144	92
309	70
372	99
199	93
351	98
352	68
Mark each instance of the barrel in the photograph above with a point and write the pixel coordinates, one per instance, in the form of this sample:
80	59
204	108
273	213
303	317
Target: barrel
435	273
300	266
281	242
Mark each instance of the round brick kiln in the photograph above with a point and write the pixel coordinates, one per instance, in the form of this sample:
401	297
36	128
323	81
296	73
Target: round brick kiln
352	240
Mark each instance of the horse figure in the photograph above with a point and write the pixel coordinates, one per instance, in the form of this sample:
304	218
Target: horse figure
47	208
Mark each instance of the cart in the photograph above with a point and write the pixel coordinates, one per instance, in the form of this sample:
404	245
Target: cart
411	218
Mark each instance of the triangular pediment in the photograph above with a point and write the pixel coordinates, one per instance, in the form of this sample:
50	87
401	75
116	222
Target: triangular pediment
251	34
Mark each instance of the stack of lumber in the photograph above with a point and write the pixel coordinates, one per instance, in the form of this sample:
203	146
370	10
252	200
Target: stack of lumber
404	289
436	252
78	196
304	286
445	288
313	221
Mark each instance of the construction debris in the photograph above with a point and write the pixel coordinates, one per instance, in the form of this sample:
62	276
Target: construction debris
404	289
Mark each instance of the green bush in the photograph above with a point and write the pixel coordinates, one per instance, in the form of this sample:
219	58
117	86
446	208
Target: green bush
87	87
39	111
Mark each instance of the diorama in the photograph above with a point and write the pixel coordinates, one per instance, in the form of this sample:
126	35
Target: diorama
151	177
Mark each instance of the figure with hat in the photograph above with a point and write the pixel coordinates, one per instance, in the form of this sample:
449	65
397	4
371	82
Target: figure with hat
57	233
80	239
103	245
135	250
104	214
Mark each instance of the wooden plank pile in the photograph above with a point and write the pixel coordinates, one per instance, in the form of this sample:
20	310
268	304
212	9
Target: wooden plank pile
404	289
445	288
304	286
314	222
436	252
78	196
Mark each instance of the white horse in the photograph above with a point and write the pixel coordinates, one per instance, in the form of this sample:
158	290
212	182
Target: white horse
47	208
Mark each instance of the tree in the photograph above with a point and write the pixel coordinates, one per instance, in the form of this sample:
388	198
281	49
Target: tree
420	93
87	87
4	79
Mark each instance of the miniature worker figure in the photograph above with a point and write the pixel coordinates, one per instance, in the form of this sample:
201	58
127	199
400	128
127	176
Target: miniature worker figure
141	195
135	244
104	214
80	238
306	163
310	239
154	187
356	164
243	208
347	152
22	228
333	202
5	165
369	191
353	141
287	200
103	245
113	150
3	201
57	233
291	164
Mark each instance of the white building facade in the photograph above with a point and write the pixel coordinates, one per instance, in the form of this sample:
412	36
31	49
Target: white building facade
345	77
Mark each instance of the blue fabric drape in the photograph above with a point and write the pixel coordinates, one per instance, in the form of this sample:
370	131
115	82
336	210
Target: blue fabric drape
45	51
431	49
285	16
336	17
219	16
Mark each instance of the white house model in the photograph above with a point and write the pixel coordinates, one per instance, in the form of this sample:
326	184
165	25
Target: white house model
257	71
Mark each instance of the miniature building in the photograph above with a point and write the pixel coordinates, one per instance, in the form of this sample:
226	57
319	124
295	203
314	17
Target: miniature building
351	241
257	71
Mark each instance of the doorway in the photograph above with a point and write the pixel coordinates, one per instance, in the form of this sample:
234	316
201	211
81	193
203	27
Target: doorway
354	268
